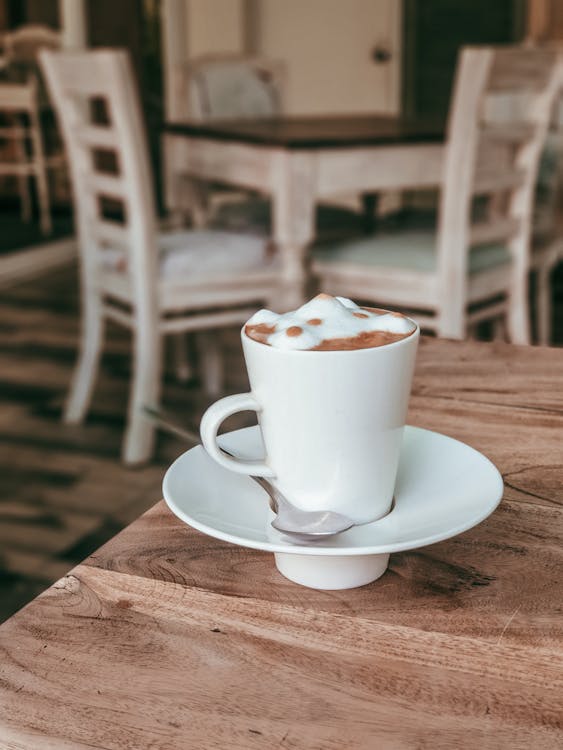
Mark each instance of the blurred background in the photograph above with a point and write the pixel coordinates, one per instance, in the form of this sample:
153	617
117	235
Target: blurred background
64	487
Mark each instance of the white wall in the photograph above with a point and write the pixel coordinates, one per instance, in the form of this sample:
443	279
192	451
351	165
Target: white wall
214	26
196	27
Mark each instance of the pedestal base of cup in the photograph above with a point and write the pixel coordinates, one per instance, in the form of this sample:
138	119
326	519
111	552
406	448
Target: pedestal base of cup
331	573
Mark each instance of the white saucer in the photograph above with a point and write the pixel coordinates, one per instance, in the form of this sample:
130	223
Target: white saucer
443	487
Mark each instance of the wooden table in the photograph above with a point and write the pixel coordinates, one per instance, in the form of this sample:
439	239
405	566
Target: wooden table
301	160
168	639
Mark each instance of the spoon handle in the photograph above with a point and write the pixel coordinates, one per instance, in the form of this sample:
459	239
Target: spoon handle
164	420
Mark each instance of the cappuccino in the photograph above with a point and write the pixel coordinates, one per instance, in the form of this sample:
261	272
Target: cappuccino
328	323
331	400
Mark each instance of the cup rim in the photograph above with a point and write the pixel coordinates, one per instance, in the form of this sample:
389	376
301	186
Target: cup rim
364	351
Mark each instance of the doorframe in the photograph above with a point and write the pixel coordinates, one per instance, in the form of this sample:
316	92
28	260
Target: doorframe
174	48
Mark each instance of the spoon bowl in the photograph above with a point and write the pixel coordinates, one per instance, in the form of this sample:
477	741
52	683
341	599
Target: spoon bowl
305	525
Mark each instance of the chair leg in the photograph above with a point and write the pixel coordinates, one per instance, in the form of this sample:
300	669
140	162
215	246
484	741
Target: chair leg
45	221
181	357
211	361
25	197
471	332
543	304
138	443
23	179
451	325
518	319
41	175
499	328
88	361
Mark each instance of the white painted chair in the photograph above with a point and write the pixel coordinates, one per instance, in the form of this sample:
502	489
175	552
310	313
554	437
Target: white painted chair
219	87
472	268
154	285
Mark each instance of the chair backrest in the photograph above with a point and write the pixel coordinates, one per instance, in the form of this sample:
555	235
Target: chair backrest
500	112
23	44
97	103
229	87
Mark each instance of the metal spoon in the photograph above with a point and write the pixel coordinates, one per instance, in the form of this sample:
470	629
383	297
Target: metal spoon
306	525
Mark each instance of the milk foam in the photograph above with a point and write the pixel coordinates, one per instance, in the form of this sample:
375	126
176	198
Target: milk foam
325	317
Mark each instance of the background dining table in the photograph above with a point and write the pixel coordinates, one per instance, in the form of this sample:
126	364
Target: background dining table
298	162
169	639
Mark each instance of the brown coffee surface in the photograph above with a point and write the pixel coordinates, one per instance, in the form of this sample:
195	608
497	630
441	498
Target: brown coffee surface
365	340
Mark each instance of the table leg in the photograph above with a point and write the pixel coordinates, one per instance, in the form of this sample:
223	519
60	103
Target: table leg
370	202
184	196
197	202
293	203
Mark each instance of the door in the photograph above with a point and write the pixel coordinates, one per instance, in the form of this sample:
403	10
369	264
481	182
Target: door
434	30
342	57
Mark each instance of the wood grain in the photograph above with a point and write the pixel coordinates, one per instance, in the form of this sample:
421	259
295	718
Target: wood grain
168	639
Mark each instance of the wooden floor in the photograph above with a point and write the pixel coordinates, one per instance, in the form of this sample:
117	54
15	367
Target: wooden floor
63	491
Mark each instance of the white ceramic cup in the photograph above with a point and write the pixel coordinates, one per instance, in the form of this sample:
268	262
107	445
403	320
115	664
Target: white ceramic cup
331	421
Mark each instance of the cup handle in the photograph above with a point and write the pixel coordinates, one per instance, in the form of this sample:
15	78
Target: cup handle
210	423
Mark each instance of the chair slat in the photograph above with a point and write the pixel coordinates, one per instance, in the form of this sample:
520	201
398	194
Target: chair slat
16	97
107	185
15	132
18	168
489	312
95	136
510	134
207	320
111	232
519	69
493	181
493	231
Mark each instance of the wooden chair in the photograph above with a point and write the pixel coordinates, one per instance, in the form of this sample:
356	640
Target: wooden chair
475	266
20	113
20	100
154	285
215	87
219	87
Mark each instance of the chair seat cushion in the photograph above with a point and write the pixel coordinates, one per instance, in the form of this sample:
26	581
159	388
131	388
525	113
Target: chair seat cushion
201	254
411	250
204	252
